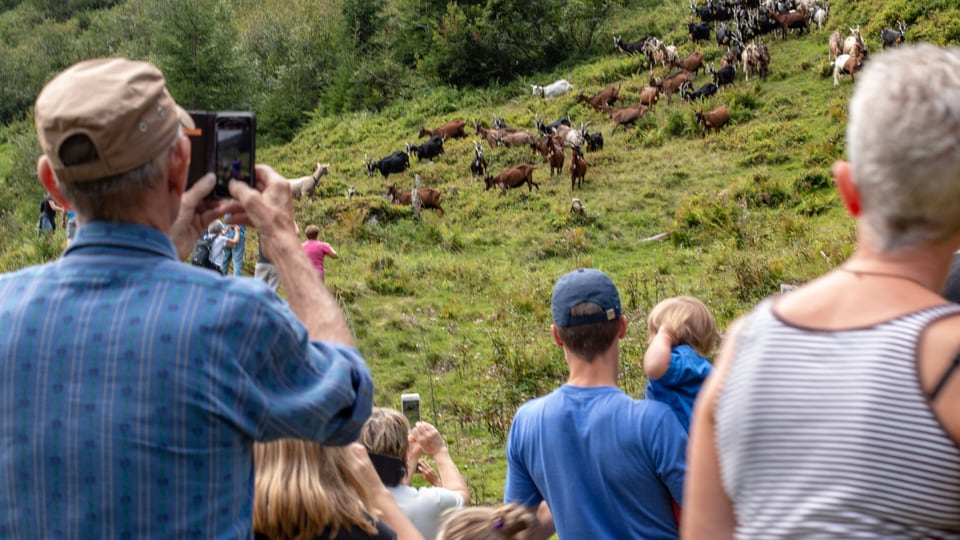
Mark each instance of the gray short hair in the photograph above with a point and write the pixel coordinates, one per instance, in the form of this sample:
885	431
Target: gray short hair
112	198
903	142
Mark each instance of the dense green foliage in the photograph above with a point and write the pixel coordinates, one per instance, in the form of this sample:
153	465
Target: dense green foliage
456	306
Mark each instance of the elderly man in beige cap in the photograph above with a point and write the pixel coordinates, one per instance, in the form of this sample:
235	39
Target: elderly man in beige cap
132	385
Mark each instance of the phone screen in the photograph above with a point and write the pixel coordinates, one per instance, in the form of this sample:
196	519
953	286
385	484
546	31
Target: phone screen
234	156
411	407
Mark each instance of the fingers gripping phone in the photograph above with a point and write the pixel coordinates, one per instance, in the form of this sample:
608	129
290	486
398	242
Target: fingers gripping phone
410	405
223	143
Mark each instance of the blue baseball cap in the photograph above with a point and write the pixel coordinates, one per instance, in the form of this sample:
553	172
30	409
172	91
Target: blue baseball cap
584	285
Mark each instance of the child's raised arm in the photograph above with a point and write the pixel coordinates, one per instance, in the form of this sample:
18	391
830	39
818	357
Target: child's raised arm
656	360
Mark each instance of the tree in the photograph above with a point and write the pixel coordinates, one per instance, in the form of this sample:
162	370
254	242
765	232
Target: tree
196	48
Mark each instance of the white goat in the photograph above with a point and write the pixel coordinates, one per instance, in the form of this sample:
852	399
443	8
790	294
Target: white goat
552	90
820	15
306	184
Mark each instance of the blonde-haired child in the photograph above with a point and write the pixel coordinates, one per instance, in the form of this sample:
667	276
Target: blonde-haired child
485	523
682	334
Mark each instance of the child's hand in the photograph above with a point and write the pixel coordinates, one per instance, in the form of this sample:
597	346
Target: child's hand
665	333
427	472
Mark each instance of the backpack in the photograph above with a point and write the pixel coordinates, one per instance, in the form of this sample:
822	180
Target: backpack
201	251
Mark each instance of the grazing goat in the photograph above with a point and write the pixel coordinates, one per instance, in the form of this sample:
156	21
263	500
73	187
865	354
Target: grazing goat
515	176
396	162
699	31
627	116
848	64
693	62
305	185
756	56
671	84
725	75
854	40
552	90
578	168
893	38
516	138
602	99
490	135
715	119
820	15
429	197
428	150
555	157
706	90
478	167
649	95
451	130
791	20
836	44
656	51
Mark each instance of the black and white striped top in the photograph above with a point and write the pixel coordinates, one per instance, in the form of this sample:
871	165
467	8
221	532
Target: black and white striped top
827	434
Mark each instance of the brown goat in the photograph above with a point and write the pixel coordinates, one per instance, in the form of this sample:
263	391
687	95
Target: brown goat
627	116
649	95
671	84
543	146
451	130
515	176
602	99
489	135
578	168
848	64
795	19
555	157
693	62
715	119
429	197
517	138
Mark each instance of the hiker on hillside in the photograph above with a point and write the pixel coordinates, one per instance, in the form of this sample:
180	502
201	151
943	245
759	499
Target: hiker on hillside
134	385
834	409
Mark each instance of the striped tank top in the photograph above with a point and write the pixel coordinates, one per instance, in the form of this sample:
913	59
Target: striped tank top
828	434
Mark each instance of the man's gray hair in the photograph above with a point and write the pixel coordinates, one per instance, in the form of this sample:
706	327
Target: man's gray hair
903	142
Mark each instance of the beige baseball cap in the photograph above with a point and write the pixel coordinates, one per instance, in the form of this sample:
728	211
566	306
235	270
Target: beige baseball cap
121	105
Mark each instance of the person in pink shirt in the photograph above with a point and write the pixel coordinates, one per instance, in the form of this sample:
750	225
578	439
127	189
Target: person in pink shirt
317	250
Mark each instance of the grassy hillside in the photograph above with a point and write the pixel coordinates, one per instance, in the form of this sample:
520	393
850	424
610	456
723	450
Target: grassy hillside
456	307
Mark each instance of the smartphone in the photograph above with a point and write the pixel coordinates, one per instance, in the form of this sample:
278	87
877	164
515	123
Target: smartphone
223	143
410	405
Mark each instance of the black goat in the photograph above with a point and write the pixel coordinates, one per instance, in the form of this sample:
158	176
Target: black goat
699	31
594	140
706	90
725	75
632	47
893	38
551	127
428	150
396	162
478	167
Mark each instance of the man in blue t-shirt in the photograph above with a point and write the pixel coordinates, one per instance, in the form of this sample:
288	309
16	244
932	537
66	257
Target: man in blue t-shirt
608	466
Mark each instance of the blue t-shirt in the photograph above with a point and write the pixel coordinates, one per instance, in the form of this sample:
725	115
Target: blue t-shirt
609	466
132	387
681	383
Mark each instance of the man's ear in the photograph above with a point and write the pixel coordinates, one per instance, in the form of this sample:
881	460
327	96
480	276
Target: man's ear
622	333
849	192
178	163
49	181
556	335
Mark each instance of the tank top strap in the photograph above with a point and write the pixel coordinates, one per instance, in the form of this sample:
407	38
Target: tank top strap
945	377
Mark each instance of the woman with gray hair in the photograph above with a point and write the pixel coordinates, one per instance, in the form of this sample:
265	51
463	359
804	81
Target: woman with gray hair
834	410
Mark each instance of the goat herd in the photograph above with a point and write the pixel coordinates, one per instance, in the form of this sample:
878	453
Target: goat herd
738	27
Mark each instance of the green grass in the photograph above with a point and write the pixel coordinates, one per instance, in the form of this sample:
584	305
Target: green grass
457	307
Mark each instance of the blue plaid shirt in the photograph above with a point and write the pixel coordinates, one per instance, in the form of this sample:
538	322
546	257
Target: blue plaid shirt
132	387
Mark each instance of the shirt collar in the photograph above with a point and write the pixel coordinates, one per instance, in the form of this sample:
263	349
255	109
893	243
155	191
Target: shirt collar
99	237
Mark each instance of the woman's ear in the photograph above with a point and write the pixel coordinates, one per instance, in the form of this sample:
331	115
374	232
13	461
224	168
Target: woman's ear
847	188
